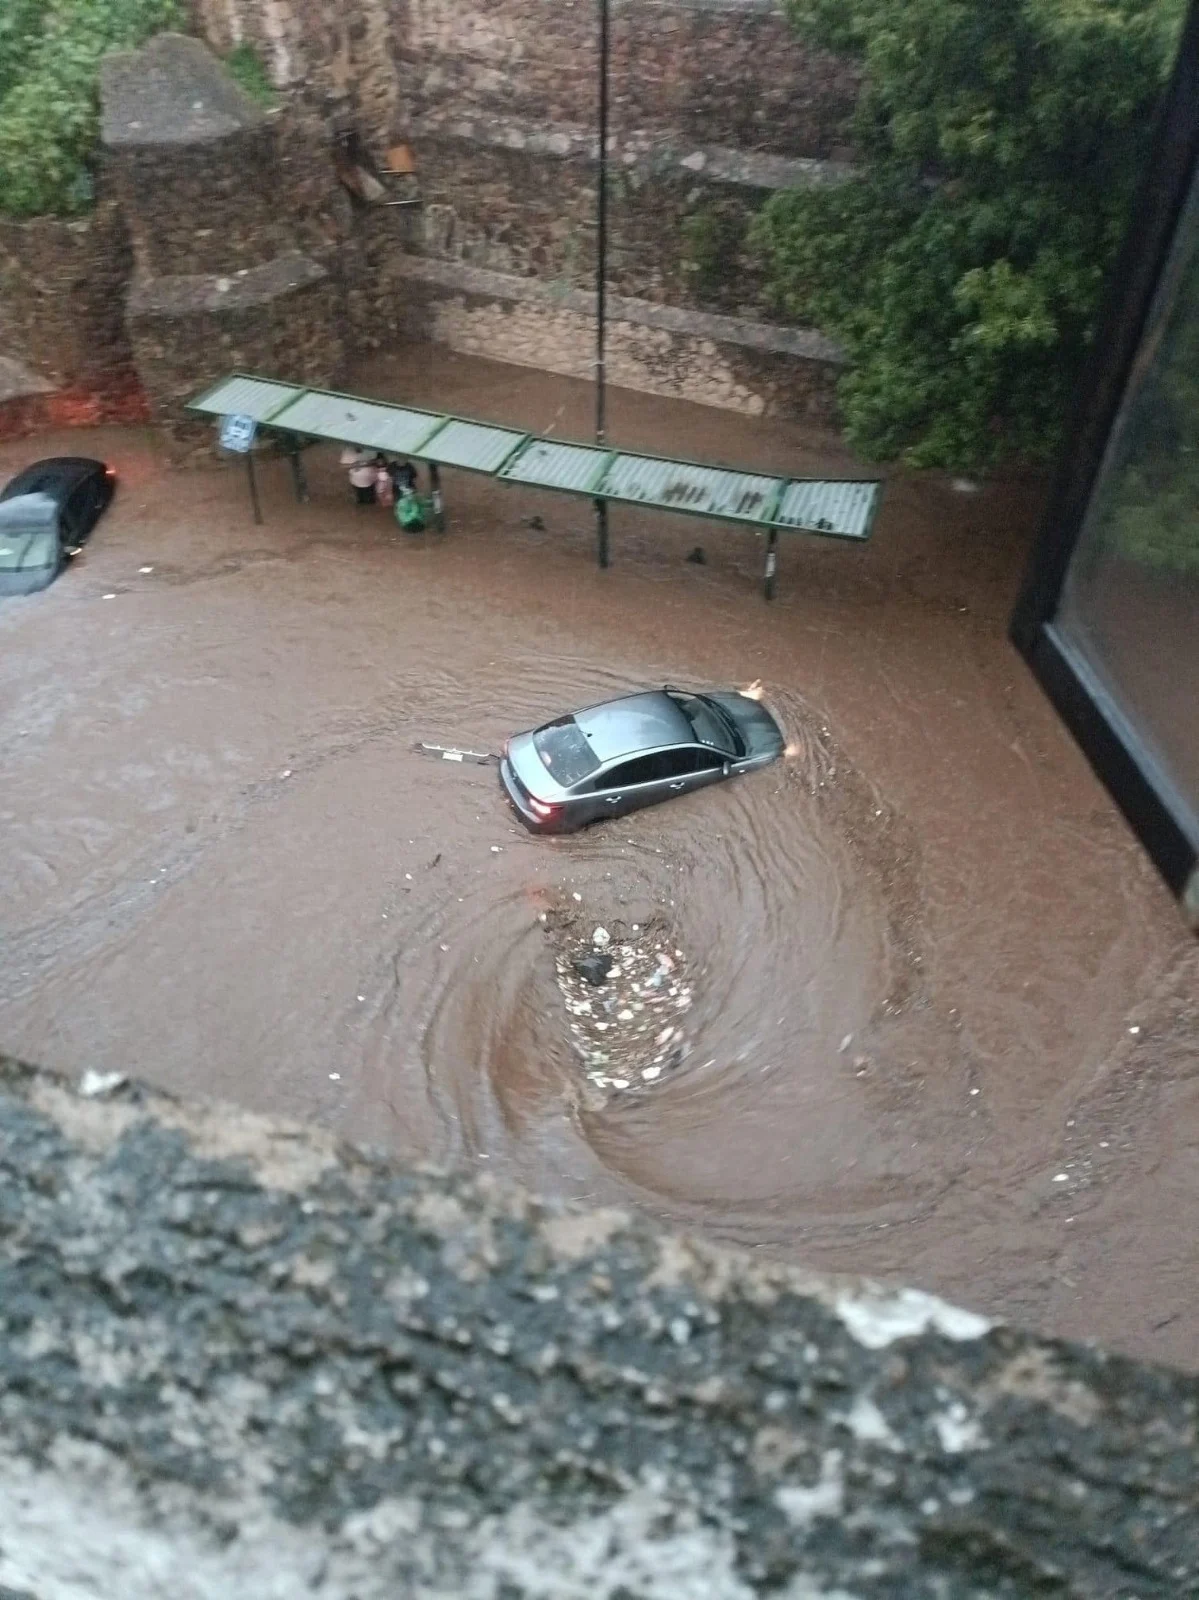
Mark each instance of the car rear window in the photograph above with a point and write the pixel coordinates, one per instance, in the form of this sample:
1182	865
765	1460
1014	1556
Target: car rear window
564	752
22	552
42	552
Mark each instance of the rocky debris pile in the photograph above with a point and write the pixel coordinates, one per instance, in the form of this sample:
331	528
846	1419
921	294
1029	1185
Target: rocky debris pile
627	996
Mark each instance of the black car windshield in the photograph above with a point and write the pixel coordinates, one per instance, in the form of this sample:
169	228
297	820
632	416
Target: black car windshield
564	752
709	723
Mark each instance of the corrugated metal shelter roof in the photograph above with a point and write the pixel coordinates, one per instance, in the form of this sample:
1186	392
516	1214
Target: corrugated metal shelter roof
477	446
550	464
761	500
375	425
684	486
240	396
821	506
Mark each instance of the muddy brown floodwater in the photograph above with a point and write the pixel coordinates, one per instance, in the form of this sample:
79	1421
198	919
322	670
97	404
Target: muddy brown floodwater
942	1020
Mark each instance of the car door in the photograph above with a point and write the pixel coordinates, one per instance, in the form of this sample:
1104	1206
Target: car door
78	515
699	765
646	779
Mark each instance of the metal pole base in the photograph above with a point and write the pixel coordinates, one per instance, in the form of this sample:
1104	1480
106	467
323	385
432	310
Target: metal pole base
601	533
254	501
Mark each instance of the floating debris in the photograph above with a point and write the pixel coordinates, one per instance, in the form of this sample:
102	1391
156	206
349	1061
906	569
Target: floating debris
594	967
624	1015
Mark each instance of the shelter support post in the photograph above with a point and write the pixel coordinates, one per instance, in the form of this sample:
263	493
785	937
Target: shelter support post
253	481
772	562
299	481
601	270
601	533
436	497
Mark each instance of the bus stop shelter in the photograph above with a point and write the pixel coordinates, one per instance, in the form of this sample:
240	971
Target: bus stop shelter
764	502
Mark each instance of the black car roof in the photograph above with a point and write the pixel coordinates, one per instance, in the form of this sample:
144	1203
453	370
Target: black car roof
56	476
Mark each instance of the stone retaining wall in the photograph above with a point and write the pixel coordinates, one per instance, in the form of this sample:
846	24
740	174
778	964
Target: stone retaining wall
199	183
711	360
62	297
187	331
206	207
675	237
222	280
715	71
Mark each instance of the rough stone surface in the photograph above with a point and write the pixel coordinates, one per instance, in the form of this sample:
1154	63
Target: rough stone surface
221	279
518	198
725	72
716	105
240	1361
283	318
688	355
172	91
62	295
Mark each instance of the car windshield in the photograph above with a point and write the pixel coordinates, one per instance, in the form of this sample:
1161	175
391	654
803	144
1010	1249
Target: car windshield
708	723
564	752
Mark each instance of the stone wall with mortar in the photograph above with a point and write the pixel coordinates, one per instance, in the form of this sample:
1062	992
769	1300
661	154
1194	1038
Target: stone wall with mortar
707	359
284	318
62	296
203	208
527	207
715	104
713	71
493	99
222	278
242	1362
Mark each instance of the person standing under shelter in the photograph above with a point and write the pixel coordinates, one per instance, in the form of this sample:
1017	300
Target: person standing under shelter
403	477
361	464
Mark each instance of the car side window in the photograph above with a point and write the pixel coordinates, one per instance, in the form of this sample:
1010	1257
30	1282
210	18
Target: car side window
641	769
694	760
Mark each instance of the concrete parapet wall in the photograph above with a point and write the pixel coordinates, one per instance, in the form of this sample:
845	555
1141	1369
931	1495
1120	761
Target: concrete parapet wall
241	1361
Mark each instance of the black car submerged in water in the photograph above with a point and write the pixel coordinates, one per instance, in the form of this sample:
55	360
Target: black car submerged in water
47	512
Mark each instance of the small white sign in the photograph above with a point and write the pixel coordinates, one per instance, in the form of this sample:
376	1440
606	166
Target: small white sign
237	433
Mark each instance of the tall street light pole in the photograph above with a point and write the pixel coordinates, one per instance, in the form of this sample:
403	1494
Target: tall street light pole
601	269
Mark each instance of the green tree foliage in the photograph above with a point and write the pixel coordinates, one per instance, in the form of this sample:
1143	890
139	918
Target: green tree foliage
244	65
1000	142
50	52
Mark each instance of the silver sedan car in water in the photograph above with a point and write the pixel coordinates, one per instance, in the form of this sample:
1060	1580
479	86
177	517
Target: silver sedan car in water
624	754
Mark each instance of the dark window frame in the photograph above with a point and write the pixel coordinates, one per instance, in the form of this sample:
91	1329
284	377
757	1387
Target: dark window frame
1121	758
610	780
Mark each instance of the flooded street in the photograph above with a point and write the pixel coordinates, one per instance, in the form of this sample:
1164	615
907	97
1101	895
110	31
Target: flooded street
943	1022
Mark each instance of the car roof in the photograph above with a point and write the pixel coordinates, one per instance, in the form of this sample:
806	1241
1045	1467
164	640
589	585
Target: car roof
56	476
28	510
637	722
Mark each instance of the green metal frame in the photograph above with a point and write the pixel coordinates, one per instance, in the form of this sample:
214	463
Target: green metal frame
593	490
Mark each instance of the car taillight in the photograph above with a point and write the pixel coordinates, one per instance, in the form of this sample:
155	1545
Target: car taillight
539	808
111	473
